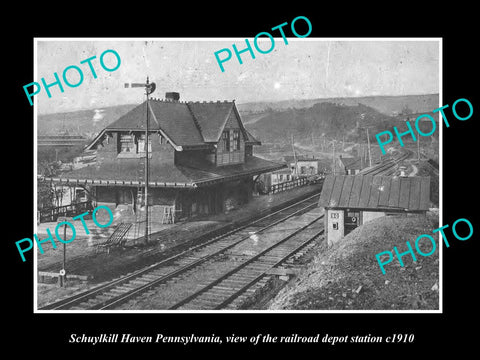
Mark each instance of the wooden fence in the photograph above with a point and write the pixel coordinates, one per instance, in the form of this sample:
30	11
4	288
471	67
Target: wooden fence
287	185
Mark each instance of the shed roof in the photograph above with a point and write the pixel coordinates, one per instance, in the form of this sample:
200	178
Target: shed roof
352	163
128	173
291	158
376	192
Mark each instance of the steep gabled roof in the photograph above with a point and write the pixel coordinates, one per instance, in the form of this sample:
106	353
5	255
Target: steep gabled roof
176	120
133	120
183	124
211	117
250	139
171	117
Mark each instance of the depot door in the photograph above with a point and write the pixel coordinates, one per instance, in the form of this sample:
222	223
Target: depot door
352	220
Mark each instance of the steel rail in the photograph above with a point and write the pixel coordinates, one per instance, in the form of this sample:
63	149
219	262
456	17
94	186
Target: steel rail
89	294
108	304
243	265
388	165
239	292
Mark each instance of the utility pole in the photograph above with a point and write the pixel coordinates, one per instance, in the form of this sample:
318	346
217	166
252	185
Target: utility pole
369	153
62	279
361	153
294	155
333	156
149	88
418	149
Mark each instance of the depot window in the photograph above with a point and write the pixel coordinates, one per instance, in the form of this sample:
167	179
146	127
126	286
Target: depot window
225	141
141	144
134	144
127	143
235	133
230	140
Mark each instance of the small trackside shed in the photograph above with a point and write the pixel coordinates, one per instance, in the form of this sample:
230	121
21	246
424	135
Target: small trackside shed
352	165
351	201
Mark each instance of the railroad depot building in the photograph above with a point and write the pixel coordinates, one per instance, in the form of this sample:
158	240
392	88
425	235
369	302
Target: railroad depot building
200	159
351	201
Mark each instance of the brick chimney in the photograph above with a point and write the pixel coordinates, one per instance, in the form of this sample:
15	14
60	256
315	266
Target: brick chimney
172	96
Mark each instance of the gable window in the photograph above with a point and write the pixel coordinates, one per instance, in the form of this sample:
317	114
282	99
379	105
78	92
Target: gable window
229	148
235	133
127	144
141	143
231	140
133	145
226	141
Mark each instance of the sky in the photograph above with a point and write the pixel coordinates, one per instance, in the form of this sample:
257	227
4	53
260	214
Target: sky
305	68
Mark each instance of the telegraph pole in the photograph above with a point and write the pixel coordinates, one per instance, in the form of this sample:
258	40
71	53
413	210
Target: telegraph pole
294	154
369	153
418	149
333	155
362	155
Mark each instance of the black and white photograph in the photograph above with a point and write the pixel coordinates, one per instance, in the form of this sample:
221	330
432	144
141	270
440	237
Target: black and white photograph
263	187
184	179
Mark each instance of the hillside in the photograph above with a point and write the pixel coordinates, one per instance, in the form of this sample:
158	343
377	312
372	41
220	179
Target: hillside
307	120
83	122
328	119
348	277
388	105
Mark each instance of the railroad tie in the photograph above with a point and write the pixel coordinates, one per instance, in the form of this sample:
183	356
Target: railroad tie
139	281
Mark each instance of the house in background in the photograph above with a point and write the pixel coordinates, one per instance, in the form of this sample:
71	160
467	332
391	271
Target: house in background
352	165
304	165
200	159
297	168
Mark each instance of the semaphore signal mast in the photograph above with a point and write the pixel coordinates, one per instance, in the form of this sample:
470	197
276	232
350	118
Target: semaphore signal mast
149	88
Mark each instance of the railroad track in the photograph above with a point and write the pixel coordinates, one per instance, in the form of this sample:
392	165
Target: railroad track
434	166
224	290
387	167
155	254
116	292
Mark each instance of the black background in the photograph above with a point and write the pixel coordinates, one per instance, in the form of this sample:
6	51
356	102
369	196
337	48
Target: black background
50	333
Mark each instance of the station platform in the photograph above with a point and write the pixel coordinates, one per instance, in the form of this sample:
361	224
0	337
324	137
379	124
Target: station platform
85	263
